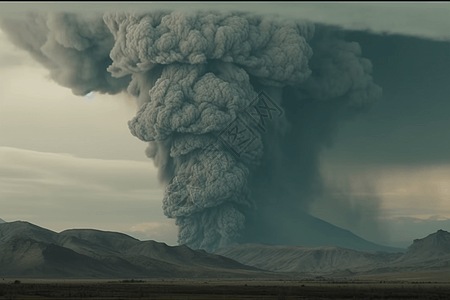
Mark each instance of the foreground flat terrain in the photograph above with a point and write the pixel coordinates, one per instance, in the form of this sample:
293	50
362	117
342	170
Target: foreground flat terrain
317	288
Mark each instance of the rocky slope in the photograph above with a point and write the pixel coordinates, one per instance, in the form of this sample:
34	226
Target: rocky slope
429	253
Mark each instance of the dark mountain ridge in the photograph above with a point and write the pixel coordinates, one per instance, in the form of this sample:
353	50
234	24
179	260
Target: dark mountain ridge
27	250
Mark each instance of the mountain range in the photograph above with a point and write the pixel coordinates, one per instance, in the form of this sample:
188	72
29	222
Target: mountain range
27	250
427	254
30	251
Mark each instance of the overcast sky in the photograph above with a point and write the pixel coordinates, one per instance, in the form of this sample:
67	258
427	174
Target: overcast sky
70	162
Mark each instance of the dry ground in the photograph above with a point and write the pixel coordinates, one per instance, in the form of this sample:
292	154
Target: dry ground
314	288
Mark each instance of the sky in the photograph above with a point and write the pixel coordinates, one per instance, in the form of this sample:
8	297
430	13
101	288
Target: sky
69	161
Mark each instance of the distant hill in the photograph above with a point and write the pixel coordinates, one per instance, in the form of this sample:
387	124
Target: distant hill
27	250
321	260
23	230
430	253
433	246
1	221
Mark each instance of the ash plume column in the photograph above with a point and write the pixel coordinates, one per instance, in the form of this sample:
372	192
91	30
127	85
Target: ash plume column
195	74
206	61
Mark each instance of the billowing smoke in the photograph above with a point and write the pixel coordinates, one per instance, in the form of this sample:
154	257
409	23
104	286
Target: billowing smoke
74	48
236	108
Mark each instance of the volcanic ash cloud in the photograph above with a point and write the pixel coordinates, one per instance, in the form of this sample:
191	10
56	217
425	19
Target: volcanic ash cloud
203	63
193	75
